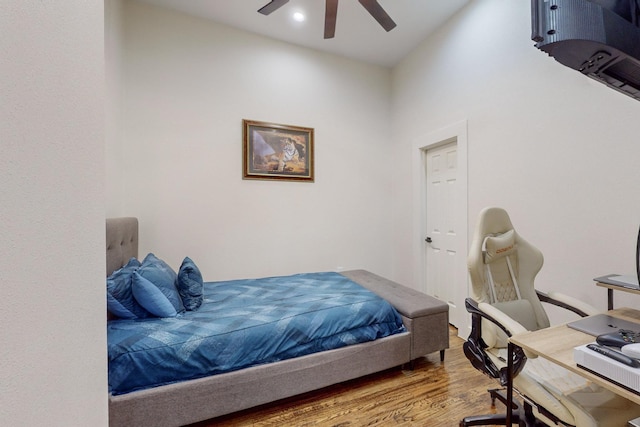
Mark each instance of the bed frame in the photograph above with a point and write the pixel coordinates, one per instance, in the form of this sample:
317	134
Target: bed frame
426	320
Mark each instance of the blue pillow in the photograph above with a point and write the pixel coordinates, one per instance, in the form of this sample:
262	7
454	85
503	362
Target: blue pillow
152	297
190	284
158	277
120	299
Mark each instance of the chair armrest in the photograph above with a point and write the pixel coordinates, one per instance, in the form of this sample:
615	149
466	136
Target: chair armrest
474	308
474	347
581	308
509	325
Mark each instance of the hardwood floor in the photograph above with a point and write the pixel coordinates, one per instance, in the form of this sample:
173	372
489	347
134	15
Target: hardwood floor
433	394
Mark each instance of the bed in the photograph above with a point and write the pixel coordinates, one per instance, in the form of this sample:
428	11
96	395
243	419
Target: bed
418	327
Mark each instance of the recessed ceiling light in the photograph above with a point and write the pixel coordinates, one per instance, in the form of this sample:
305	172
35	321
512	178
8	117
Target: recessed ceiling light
298	16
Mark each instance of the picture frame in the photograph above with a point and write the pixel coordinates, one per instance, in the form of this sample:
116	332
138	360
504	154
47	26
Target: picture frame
272	151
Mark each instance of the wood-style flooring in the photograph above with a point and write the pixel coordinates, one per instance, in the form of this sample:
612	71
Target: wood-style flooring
434	393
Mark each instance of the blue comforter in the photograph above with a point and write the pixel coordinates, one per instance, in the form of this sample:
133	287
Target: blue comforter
244	323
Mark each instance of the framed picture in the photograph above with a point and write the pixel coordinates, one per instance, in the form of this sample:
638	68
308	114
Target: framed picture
273	151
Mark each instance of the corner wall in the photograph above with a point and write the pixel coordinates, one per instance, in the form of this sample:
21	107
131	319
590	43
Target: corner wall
557	150
114	115
53	367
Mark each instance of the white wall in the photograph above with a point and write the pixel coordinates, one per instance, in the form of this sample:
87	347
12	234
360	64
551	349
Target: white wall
114	138
556	149
53	352
186	86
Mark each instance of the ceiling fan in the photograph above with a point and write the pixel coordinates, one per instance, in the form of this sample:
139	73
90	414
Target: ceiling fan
331	11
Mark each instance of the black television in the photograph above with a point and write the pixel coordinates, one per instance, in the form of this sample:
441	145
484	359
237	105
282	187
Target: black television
599	38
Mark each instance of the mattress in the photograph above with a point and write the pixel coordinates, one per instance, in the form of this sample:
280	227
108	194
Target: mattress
245	323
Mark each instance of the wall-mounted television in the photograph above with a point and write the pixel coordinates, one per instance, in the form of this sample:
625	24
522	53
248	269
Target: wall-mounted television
599	38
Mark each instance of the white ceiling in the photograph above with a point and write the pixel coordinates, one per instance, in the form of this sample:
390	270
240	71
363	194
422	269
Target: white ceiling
358	35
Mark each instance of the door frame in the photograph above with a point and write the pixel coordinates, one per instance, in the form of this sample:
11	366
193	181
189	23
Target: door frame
456	132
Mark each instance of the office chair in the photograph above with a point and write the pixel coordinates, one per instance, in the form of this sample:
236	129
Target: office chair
502	267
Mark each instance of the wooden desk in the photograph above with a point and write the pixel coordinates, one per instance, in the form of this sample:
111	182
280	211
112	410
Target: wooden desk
611	288
557	342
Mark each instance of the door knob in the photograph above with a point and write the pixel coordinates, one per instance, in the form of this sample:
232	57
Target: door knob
428	240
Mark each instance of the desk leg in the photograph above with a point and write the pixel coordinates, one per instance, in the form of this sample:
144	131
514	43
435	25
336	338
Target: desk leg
609	298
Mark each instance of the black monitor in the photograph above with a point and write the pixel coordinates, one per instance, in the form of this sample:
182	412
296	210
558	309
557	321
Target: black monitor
638	257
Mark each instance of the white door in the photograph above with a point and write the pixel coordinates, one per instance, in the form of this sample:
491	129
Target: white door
442	240
441	213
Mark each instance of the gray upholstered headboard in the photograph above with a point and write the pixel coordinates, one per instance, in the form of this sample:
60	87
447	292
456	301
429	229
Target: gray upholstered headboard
122	242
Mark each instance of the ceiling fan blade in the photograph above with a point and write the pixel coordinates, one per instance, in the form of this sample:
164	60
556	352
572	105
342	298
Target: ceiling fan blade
272	6
374	8
330	14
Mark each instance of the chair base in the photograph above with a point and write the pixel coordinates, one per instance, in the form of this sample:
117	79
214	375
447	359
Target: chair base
521	415
490	420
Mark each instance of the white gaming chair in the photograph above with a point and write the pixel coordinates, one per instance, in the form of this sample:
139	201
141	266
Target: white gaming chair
503	266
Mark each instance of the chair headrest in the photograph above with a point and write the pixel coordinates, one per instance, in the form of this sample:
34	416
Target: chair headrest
498	246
